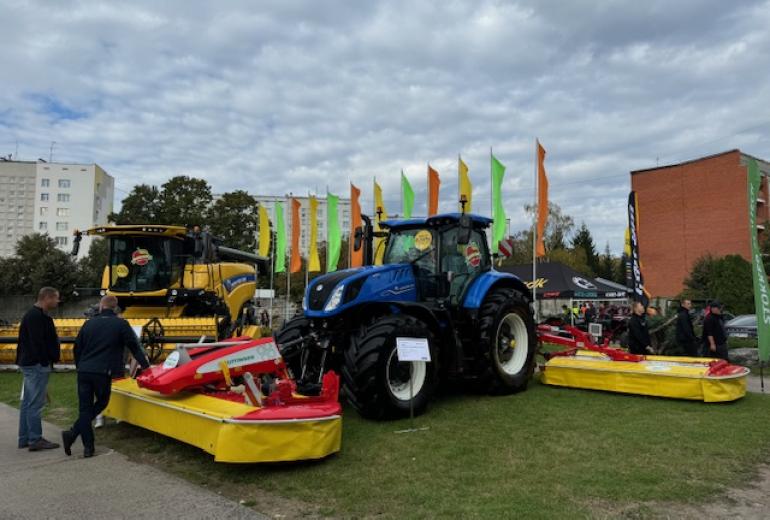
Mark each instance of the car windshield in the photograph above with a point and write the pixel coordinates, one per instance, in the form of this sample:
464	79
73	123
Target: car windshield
406	245
144	263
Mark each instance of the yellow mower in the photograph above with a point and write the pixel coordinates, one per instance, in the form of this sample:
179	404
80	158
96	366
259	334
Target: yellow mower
174	286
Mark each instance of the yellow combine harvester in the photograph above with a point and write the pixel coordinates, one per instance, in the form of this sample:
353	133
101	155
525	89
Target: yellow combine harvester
174	286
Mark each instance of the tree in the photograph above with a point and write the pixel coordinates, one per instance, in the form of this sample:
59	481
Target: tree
184	201
38	263
728	279
606	264
141	206
91	267
234	218
557	229
585	242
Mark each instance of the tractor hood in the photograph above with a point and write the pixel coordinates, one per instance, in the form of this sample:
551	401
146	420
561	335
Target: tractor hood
333	293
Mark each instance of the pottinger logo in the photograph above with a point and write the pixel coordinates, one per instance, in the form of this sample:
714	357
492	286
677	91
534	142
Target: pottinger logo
472	255
140	257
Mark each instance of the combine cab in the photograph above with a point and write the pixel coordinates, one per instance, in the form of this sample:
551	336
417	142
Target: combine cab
174	286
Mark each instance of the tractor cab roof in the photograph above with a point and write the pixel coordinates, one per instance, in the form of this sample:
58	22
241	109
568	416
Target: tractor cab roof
139	229
435	221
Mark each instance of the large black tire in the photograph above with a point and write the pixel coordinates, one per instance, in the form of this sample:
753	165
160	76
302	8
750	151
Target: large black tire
293	329
375	382
504	318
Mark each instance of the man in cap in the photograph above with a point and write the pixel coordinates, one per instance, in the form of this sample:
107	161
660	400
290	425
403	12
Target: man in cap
714	335
98	350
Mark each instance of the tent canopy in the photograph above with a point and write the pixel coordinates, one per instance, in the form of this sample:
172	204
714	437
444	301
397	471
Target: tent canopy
556	280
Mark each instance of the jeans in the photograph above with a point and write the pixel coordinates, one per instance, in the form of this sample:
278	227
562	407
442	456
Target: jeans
34	390
93	396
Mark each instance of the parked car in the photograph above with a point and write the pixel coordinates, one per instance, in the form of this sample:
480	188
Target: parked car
743	326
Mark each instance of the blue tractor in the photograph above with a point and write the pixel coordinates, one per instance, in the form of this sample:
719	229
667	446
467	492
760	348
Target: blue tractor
436	282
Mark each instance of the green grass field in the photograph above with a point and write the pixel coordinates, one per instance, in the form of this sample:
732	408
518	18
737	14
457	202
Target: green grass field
544	453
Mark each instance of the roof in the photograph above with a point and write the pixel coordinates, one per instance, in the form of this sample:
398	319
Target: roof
435	220
560	281
734	150
138	229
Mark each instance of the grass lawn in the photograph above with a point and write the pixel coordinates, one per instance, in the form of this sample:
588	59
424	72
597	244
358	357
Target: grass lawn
544	453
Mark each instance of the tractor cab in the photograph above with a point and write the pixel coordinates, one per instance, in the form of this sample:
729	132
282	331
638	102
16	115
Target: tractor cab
448	252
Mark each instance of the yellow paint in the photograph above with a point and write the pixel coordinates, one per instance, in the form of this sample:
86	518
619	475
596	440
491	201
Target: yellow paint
225	372
423	239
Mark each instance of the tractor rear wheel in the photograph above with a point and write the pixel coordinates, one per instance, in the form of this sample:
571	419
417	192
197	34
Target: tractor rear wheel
376	383
508	342
292	330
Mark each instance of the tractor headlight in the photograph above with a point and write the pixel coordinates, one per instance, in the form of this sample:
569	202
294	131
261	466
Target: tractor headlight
336	298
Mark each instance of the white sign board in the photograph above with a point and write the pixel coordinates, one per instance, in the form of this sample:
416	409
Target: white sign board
413	349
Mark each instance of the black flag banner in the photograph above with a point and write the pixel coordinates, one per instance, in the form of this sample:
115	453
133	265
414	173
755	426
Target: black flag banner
635	269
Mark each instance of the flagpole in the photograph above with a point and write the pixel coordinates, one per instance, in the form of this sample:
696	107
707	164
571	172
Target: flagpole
534	240
459	180
272	288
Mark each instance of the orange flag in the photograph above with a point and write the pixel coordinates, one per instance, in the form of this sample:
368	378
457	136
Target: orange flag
542	200
356	257
433	186
296	260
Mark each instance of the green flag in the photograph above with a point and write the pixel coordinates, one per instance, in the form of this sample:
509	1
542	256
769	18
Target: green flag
407	196
498	212
333	236
761	291
280	239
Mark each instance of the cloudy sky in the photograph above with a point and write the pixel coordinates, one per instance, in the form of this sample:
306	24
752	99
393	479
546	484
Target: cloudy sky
287	96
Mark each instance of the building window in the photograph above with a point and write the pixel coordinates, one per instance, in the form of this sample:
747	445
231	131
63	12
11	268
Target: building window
42	226
61	226
44	183
43	197
62	212
61	241
43	211
64	183
63	197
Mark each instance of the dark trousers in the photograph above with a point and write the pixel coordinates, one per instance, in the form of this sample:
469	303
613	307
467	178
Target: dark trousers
690	348
93	396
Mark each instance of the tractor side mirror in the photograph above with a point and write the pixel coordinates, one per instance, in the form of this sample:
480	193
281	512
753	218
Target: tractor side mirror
464	231
76	243
358	238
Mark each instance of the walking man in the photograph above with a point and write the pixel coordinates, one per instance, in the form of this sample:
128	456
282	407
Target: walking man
714	335
98	350
638	335
685	335
37	351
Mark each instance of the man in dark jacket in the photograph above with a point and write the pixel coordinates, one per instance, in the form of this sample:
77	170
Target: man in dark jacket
685	335
714	335
638	335
98	350
36	352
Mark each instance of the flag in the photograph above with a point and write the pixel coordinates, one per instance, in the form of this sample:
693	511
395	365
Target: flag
542	200
381	214
333	236
465	187
313	263
296	259
639	292
356	257
264	232
498	212
761	290
434	183
280	239
407	197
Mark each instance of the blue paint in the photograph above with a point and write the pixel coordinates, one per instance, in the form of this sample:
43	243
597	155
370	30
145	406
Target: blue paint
240	279
481	286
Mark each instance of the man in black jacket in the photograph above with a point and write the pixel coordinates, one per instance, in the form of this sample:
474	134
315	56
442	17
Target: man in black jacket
714	334
98	350
37	351
638	335
685	335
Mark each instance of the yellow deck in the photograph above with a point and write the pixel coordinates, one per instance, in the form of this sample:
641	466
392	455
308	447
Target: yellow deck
206	422
661	376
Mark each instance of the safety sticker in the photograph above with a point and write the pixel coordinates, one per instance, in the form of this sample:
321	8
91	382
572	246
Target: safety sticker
141	257
121	270
423	240
472	255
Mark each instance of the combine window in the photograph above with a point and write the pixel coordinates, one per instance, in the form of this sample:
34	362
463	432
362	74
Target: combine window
144	263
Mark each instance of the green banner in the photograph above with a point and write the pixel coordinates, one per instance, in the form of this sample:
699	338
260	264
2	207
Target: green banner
761	291
280	239
498	212
407	197
333	236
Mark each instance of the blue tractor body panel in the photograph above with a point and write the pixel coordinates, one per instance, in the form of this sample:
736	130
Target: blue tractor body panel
482	284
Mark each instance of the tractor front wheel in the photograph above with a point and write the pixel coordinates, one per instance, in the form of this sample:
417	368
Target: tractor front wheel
508	342
377	384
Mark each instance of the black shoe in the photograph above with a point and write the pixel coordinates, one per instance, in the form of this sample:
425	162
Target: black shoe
67	438
88	452
42	444
25	445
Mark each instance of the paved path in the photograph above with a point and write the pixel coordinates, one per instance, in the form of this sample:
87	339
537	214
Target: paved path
48	484
753	384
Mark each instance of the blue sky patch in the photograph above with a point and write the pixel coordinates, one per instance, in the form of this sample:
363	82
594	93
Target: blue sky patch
55	108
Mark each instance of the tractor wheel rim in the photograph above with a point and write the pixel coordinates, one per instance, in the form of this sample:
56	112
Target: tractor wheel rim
398	373
512	344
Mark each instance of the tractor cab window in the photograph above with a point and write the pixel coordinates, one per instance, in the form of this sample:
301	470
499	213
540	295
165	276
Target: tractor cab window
144	263
462	262
412	245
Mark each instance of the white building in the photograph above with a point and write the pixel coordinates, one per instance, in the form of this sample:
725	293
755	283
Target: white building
343	208
59	197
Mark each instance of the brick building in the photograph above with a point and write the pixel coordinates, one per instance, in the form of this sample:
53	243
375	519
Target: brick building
691	209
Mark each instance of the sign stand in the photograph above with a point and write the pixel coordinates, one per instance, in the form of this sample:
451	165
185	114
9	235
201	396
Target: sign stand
412	350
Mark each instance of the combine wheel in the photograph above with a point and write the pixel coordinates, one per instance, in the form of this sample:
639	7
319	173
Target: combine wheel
375	382
508	341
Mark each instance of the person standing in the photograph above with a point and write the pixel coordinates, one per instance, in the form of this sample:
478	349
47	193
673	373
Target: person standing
98	350
38	349
714	335
638	335
685	334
